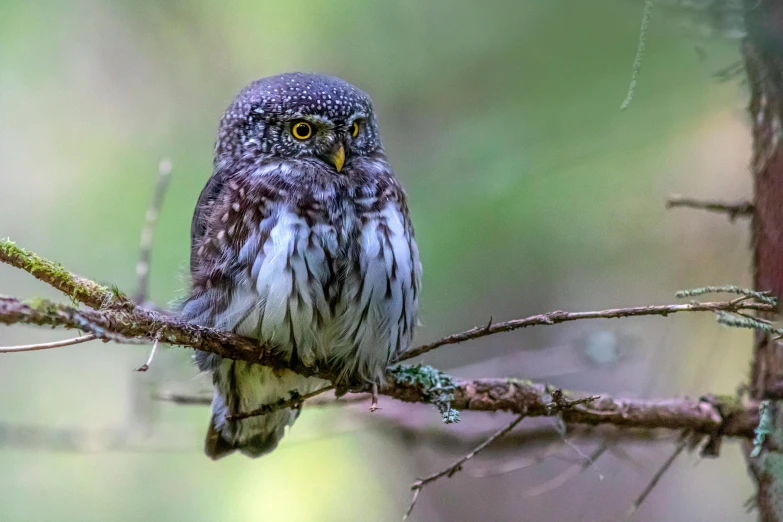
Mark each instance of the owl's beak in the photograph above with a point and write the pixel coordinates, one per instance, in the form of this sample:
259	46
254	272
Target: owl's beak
338	158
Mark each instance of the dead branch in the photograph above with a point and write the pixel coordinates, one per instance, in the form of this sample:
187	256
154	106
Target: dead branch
457	466
47	346
560	316
146	366
569	473
145	245
733	210
658	474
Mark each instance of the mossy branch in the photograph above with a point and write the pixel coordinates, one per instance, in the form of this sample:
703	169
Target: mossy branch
79	289
115	318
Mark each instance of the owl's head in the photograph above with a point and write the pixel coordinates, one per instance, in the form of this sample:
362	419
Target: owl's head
304	116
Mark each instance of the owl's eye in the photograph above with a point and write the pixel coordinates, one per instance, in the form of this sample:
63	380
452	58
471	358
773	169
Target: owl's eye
302	130
355	128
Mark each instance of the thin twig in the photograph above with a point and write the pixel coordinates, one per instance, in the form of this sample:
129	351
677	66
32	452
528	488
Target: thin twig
457	466
146	366
150	218
184	398
658	474
562	430
47	346
571	472
639	58
733	210
205	398
509	466
269	408
560	316
744	293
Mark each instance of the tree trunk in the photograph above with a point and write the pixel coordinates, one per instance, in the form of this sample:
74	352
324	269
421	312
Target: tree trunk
763	54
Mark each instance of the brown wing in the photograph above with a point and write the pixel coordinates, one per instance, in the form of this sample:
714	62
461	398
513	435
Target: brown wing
198	225
226	238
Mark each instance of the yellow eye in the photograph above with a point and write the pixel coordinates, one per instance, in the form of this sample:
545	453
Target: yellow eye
355	128
302	130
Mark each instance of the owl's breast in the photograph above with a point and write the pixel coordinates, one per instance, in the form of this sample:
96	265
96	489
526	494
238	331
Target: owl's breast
287	282
378	306
333	280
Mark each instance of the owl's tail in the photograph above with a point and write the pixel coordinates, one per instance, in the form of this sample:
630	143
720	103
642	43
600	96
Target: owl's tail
222	442
239	387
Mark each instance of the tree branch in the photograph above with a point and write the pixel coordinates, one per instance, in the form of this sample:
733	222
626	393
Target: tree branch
118	319
560	316
115	314
733	210
79	289
657	476
145	245
703	416
47	346
124	321
457	466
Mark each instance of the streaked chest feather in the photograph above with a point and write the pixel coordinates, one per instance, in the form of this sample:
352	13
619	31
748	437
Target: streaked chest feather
342	287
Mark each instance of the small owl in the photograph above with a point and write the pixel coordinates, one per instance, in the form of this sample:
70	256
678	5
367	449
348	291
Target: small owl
300	239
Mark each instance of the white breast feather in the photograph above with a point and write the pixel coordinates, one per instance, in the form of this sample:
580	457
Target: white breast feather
371	322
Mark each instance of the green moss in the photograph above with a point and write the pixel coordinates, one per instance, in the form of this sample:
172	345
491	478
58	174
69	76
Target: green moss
727	404
34	263
51	272
44	306
36	303
437	387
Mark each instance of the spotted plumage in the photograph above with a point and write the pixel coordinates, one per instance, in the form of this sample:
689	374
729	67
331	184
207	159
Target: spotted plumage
303	243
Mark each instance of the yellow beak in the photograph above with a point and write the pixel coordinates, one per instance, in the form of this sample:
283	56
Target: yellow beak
339	158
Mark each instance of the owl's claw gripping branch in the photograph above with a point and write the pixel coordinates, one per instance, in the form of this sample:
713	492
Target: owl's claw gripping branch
116	318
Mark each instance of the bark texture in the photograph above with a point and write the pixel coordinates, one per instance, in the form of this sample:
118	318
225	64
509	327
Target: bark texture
763	55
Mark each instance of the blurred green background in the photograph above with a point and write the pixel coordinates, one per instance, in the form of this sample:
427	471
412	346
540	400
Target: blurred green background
529	190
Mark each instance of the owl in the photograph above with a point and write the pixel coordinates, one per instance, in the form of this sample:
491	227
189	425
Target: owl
300	239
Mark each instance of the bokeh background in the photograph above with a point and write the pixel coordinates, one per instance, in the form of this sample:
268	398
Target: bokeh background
529	189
